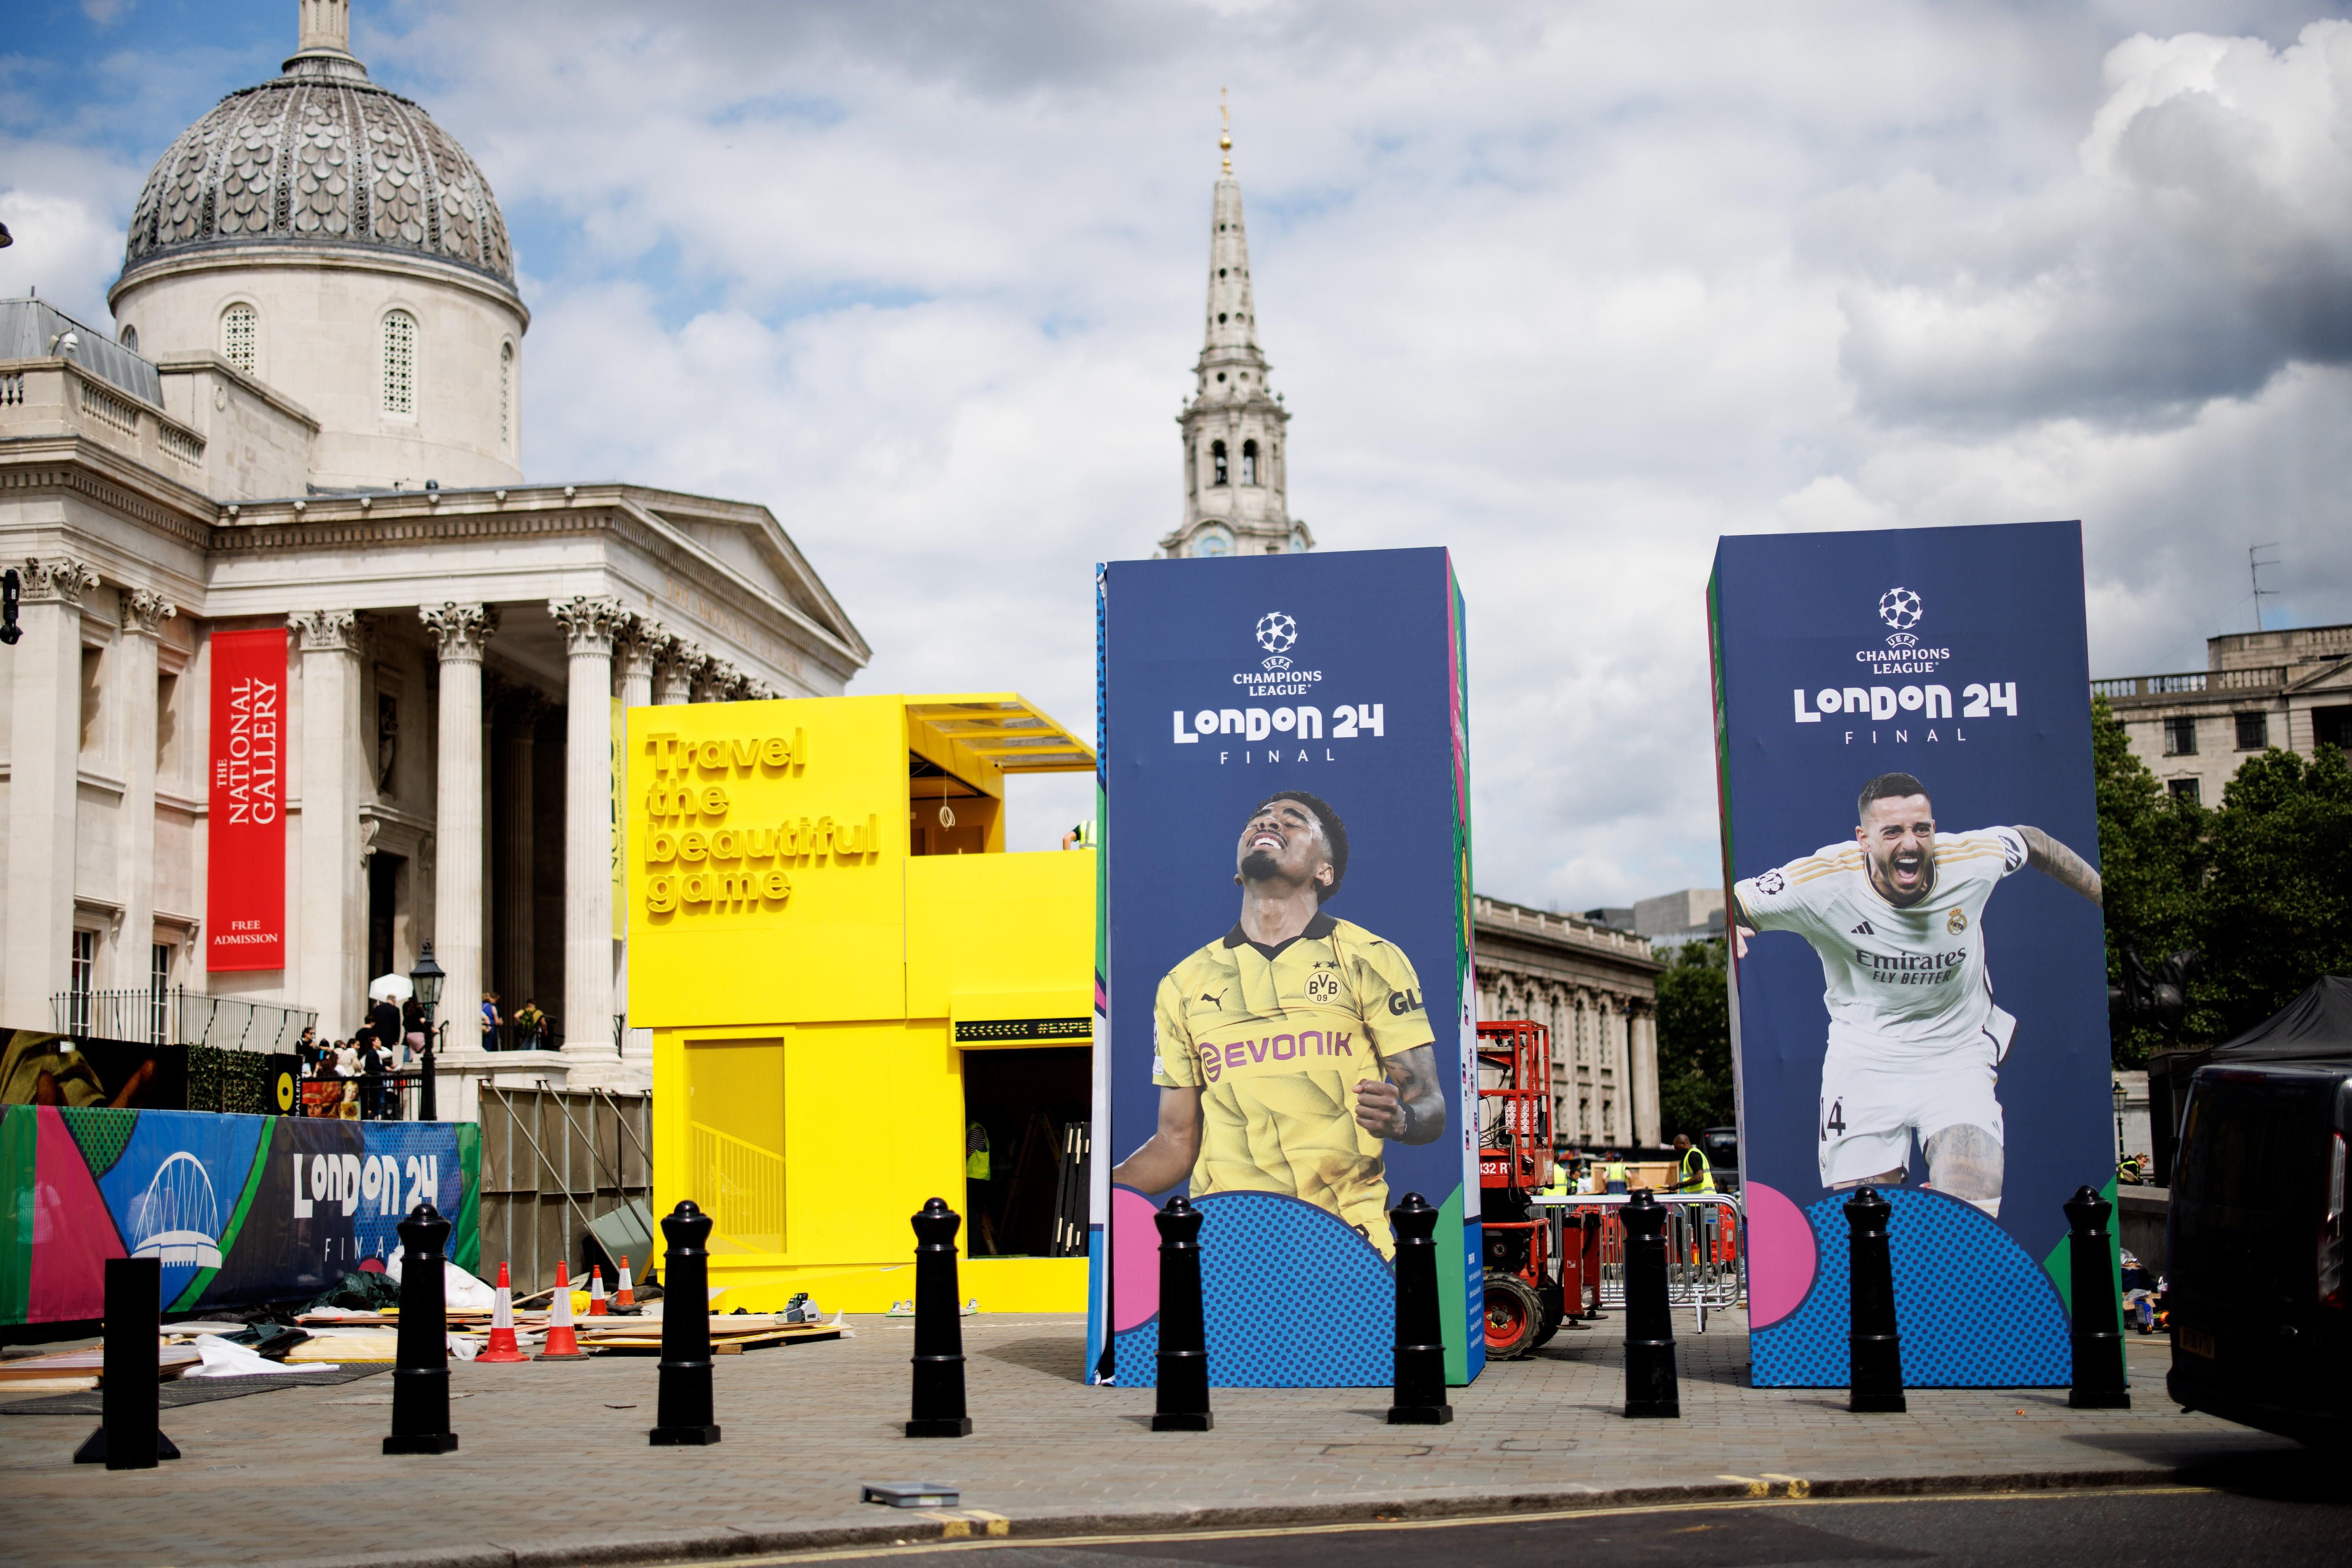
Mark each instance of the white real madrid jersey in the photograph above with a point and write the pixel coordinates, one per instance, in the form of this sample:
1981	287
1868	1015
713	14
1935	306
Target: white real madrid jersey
1907	982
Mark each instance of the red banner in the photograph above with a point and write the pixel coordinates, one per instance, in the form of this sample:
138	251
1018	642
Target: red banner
245	912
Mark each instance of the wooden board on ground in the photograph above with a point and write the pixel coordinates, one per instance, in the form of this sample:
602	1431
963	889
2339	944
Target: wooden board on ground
171	1361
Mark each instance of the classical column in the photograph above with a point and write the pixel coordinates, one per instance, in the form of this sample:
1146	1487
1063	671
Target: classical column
644	646
641	646
514	904
588	626
459	631
136	674
45	750
1641	1026
329	933
680	666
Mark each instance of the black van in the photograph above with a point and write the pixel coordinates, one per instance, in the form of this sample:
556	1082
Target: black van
2262	1326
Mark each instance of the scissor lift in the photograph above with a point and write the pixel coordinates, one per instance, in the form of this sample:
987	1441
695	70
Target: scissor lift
1530	1277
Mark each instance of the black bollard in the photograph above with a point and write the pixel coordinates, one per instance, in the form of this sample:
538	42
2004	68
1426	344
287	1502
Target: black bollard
1652	1387
682	1412
1874	1344
2099	1383
1420	1397
420	1375
938	1328
128	1437
1183	1331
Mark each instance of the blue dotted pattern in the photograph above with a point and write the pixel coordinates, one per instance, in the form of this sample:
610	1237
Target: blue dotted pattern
1974	1309
1293	1299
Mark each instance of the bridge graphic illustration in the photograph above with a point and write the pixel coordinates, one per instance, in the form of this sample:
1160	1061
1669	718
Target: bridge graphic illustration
176	1217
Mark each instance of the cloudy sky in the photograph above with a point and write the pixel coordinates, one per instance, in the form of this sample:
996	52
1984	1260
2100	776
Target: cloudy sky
1569	290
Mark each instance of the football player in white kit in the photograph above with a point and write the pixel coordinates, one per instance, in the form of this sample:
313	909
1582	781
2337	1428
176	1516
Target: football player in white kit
1914	1041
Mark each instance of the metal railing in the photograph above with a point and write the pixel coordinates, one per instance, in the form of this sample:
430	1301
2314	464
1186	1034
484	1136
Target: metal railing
2191	681
179	1017
745	1184
1705	1249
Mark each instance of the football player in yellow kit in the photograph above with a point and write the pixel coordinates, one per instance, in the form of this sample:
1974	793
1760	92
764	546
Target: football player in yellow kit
1292	1047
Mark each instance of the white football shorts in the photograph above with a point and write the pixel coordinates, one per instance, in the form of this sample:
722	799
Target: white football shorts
1872	1105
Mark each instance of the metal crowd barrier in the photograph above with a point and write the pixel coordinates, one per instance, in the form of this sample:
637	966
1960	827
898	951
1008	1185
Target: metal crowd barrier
1705	1248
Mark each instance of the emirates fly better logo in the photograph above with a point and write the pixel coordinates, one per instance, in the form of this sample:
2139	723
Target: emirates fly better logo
1900	608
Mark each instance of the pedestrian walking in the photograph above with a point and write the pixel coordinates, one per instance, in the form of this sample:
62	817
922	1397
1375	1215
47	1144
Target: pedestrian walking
491	1022
412	1024
531	1024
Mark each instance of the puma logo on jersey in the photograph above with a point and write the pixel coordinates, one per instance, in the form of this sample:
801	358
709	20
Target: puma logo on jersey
1864	930
1216	1001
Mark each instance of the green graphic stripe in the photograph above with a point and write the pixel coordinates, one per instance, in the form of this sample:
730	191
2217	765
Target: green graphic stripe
2059	1266
469	1253
187	1299
19	1149
1456	1327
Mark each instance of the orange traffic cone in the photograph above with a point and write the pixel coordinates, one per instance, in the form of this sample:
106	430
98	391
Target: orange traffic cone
562	1344
624	1300
596	1308
502	1346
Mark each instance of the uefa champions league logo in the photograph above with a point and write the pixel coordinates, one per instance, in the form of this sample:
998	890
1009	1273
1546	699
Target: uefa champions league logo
1898	607
1277	632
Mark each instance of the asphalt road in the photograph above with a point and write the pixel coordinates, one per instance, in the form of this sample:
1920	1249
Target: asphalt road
2301	1518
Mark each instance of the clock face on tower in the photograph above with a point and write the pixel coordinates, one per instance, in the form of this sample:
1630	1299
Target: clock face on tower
1212	541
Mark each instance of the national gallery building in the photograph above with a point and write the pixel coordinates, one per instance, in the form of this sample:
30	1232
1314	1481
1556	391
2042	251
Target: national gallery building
277	559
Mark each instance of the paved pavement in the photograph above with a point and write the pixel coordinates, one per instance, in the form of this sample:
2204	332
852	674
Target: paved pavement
554	1465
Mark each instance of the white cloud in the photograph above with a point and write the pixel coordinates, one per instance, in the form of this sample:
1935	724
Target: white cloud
1572	289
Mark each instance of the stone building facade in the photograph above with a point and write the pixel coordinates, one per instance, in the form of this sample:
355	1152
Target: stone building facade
309	420
1596	989
2290	689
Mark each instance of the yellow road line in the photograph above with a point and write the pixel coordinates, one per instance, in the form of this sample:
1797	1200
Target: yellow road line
998	1527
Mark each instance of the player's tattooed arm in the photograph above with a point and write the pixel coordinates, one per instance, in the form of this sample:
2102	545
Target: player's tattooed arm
1406	1106
2052	859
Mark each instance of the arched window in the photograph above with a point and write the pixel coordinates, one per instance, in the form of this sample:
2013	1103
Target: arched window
399	362
1217	463
129	337
506	395
1249	462
240	328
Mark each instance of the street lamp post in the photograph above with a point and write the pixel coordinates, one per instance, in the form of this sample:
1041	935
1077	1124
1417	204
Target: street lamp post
426	982
2121	1100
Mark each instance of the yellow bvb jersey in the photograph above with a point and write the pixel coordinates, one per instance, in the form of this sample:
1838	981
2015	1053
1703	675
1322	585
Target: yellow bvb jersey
1276	1046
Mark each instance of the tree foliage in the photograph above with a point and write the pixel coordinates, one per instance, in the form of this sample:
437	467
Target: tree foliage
2261	885
1694	1042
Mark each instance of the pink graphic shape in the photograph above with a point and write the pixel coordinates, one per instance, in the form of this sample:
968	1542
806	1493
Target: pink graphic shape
73	1234
1780	1257
1134	1259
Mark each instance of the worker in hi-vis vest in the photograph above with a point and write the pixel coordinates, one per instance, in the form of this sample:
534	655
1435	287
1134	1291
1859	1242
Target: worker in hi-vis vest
975	1152
1613	1172
1563	1174
1692	1172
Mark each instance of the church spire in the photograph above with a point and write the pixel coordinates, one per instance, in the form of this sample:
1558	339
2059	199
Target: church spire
1235	499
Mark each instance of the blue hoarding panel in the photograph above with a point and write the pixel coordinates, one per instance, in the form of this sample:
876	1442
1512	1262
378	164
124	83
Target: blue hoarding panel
1919	978
1288	991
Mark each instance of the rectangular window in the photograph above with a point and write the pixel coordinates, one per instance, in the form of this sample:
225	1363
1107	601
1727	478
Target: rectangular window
2254	731
81	978
2183	789
158	994
93	736
2181	737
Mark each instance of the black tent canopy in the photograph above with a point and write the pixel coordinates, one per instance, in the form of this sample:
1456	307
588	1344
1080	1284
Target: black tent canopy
2314	1026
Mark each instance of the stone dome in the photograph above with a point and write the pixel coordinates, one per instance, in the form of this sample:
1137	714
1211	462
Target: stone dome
321	157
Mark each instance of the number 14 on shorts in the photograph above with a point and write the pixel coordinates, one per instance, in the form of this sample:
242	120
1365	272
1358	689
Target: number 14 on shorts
1832	1118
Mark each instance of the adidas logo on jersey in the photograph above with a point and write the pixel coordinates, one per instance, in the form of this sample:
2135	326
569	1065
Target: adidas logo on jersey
1864	930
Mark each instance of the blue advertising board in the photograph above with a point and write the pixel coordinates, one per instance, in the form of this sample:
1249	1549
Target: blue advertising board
1918	978
1286	1023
